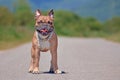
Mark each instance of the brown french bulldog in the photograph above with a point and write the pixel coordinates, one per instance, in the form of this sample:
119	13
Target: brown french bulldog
44	39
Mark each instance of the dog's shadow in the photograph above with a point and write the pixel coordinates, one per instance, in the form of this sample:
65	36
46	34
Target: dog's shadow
49	72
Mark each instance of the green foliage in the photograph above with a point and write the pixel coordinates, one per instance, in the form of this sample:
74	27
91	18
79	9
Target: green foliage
11	36
14	25
17	26
6	17
113	25
70	24
93	24
67	23
23	13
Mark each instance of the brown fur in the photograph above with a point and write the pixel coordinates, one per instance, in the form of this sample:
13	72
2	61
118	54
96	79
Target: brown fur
35	50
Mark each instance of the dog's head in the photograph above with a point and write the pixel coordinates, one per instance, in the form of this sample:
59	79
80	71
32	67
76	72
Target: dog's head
44	24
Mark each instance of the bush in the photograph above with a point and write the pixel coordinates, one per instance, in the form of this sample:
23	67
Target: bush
6	17
23	14
112	26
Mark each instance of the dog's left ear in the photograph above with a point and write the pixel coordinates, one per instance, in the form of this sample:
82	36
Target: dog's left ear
37	13
51	13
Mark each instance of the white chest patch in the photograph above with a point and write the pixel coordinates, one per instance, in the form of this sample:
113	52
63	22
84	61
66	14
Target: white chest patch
43	44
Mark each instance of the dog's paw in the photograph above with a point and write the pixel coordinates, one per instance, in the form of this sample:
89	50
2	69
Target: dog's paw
58	72
36	71
30	70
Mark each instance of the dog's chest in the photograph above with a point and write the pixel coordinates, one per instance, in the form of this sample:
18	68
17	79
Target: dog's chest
44	45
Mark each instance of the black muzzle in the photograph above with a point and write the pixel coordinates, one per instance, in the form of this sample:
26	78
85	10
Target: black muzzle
44	29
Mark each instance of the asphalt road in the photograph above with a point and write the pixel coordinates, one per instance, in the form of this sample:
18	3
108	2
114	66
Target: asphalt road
81	59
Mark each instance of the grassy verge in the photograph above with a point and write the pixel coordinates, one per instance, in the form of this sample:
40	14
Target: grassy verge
114	37
11	37
14	36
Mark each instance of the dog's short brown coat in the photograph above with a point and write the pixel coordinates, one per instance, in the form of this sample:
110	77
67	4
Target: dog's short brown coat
43	46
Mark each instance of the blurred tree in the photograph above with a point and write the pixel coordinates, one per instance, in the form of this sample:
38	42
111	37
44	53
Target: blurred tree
113	25
23	13
67	23
6	17
93	24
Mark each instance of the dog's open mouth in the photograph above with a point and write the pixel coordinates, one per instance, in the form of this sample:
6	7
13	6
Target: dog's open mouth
44	31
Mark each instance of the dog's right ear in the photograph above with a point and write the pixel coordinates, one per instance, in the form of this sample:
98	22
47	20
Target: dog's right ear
37	13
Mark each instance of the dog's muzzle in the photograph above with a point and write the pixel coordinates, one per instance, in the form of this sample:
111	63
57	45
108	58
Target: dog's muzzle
44	29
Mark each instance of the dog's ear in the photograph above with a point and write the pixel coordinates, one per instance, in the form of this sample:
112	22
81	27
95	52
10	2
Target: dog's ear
51	13
37	13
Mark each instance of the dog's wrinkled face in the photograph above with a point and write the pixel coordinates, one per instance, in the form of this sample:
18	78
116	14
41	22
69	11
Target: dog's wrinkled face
44	24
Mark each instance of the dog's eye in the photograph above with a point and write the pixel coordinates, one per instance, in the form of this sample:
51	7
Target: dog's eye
40	22
49	22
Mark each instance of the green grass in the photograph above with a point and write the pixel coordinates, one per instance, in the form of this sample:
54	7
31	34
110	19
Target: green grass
14	36
114	37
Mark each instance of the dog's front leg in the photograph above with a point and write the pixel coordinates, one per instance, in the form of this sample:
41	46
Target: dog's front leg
32	63
54	65
36	58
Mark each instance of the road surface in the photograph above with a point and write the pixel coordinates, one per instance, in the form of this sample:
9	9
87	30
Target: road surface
80	58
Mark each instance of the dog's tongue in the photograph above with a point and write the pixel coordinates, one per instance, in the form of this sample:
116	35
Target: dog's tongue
44	30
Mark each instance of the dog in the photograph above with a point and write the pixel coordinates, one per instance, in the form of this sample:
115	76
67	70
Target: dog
44	39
